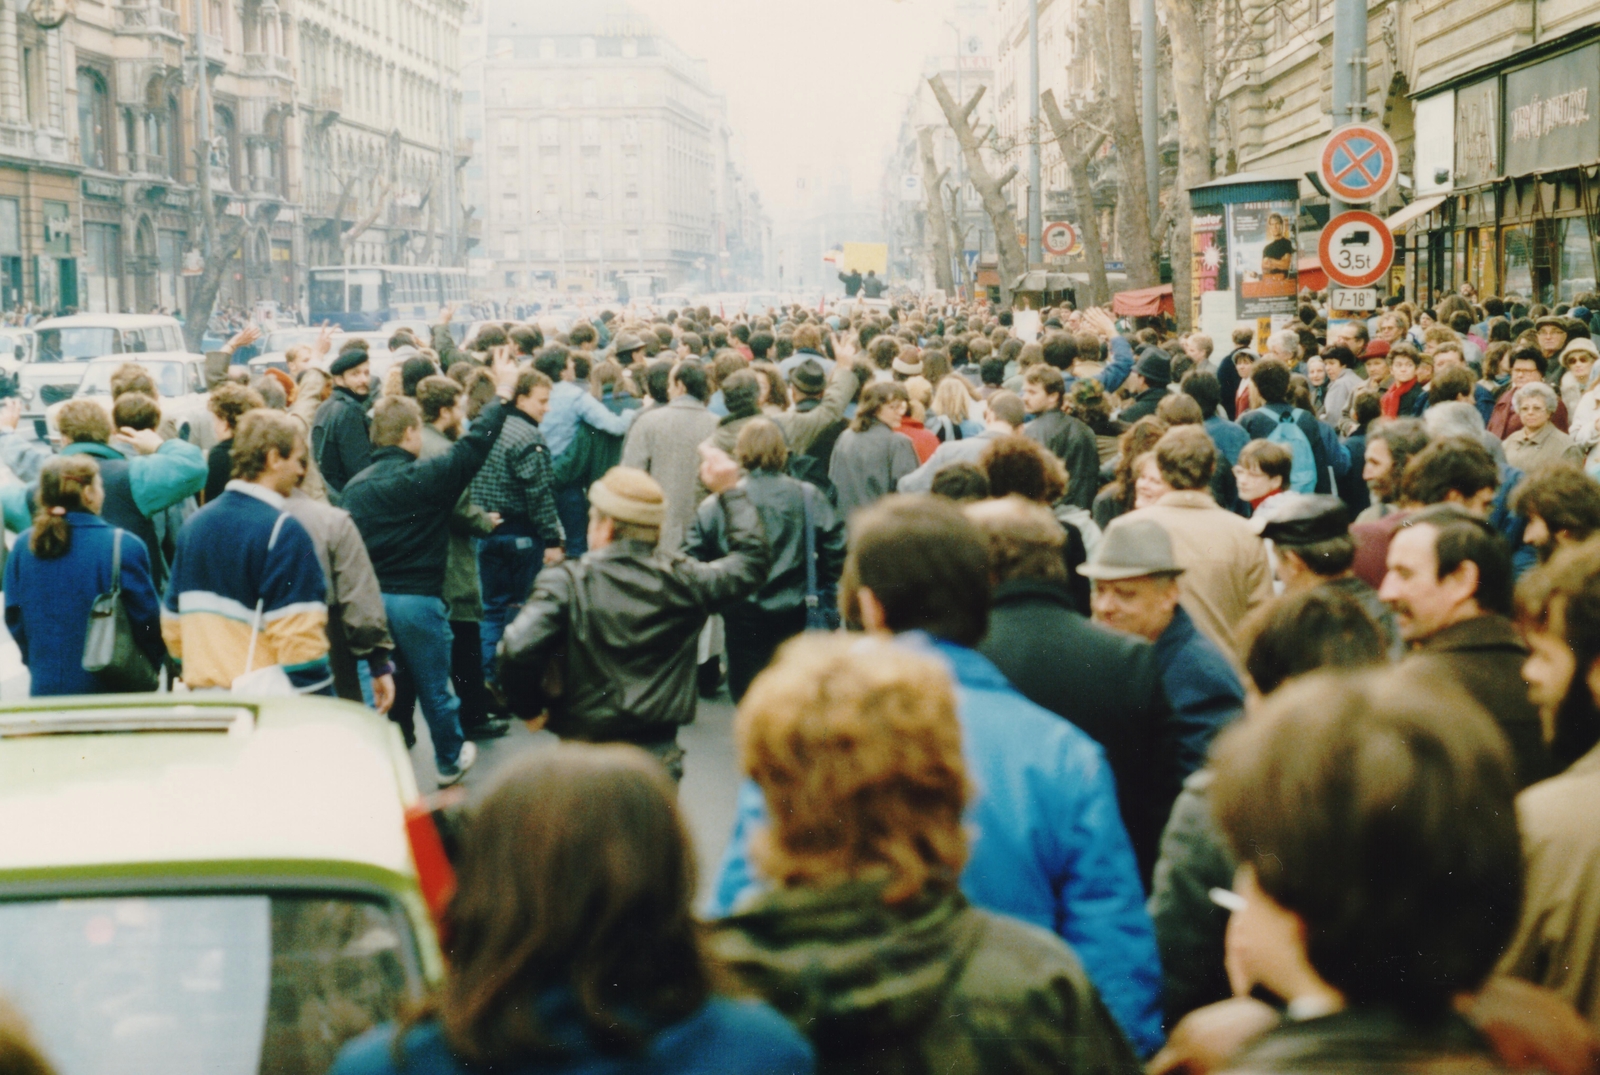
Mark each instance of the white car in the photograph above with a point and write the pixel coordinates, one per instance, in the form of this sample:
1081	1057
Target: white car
65	345
180	380
17	345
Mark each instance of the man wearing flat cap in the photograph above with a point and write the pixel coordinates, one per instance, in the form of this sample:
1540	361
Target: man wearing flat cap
606	645
1313	547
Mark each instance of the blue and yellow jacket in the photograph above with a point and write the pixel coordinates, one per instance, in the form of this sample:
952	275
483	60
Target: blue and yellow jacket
239	551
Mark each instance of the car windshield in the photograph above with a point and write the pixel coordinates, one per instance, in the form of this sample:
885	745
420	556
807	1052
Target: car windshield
168	377
72	344
201	985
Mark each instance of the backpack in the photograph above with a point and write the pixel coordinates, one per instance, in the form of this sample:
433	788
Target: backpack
1303	473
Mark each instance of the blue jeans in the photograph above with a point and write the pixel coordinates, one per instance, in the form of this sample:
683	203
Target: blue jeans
572	504
507	566
421	630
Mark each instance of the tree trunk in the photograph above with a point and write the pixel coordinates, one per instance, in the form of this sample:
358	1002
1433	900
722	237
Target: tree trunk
1133	196
932	181
1013	263
1194	145
958	241
223	241
1077	158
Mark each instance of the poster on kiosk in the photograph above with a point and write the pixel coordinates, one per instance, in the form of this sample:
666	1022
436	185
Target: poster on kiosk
1264	258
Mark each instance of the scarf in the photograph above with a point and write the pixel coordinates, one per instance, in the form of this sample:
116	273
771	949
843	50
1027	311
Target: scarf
1390	404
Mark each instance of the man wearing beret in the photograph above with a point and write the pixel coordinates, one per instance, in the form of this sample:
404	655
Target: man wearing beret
340	433
606	644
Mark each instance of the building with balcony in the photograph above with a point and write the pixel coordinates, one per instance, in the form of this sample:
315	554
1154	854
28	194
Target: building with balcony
606	151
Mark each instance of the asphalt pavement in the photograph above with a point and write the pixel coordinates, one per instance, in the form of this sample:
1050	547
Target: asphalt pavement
707	794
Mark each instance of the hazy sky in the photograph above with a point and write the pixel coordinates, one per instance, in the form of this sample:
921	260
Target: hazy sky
812	85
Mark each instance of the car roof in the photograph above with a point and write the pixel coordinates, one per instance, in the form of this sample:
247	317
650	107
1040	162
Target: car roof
108	321
110	783
135	357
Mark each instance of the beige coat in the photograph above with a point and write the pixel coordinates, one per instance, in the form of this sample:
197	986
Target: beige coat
1557	943
303	410
1226	573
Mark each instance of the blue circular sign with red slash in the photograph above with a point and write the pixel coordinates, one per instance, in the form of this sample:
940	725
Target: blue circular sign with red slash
1359	163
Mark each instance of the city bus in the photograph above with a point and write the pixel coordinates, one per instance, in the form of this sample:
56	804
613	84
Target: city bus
363	298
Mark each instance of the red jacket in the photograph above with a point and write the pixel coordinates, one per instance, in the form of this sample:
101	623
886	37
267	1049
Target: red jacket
923	441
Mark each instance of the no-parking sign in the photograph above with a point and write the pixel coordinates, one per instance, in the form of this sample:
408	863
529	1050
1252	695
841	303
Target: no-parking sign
1358	163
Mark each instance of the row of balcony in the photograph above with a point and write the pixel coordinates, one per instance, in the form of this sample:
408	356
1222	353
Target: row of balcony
21	141
146	18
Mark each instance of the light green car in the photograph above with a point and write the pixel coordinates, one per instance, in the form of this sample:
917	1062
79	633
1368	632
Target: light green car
197	885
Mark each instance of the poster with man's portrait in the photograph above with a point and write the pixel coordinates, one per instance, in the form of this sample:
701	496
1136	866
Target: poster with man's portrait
1263	255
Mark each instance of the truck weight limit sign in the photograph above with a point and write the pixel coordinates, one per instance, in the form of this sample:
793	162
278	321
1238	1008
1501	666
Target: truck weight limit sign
1060	238
1356	249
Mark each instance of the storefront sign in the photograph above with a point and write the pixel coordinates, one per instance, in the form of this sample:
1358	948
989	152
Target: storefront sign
1552	113
1477	133
102	188
175	199
1436	143
1210	245
1263	258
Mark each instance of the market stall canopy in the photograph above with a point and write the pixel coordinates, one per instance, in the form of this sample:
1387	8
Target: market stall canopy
1311	276
1039	280
1416	210
1145	302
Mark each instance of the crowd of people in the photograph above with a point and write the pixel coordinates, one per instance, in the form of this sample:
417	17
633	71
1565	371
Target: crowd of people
1205	711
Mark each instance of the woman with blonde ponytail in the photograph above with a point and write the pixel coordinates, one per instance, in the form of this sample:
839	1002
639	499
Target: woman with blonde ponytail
60	566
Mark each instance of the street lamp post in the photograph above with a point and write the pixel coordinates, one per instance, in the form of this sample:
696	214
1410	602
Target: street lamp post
1035	219
958	255
1152	122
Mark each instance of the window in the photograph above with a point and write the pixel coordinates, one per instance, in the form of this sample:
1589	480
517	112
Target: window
549	131
633	248
94	127
630	162
245	981
591	93
10	226
511	245
586	49
630	131
630	48
552	244
591	244
32	88
1577	260
591	131
509	208
550	161
547	48
630	91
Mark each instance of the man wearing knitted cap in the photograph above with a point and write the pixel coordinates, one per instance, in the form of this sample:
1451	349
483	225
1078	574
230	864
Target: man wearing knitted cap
606	645
340	433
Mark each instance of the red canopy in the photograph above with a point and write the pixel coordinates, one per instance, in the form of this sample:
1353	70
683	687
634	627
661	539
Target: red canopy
1145	302
1311	275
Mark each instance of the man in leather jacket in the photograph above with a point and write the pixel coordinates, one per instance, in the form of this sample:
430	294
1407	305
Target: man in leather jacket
607	644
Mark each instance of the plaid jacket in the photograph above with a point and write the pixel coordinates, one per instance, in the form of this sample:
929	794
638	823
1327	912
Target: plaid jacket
519	483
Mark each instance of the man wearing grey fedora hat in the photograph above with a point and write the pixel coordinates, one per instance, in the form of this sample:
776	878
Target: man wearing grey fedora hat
1135	576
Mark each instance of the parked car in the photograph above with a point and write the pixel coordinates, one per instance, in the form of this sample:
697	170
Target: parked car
17	345
180	379
66	344
209	884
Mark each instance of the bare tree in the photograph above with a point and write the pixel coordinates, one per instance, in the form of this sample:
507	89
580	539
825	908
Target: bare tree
938	225
1013	262
222	236
1076	151
1133	192
958	239
335	225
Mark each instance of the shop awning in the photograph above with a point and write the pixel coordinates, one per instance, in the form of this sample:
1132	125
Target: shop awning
1144	302
1310	275
1415	211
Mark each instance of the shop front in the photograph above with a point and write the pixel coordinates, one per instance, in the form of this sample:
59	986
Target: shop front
1512	202
38	206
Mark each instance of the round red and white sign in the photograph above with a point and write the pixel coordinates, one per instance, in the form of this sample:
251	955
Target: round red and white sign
1060	238
1359	163
1356	249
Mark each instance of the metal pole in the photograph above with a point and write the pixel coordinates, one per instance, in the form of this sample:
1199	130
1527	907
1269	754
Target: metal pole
447	133
202	120
1152	121
959	256
1035	218
1349	69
